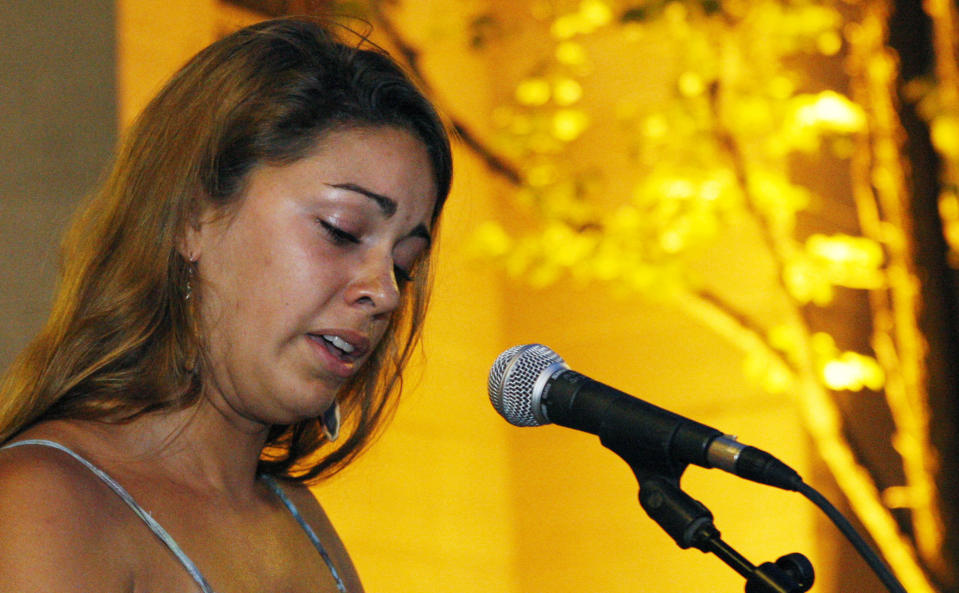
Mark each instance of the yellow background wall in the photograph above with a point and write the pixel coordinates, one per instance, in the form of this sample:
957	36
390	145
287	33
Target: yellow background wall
453	499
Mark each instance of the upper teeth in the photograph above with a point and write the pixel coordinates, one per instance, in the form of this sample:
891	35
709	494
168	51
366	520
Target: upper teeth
339	343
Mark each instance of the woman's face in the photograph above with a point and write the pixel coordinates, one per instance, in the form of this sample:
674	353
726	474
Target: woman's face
300	279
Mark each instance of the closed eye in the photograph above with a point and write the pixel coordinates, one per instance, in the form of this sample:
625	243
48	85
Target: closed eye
341	237
402	276
338	235
408	254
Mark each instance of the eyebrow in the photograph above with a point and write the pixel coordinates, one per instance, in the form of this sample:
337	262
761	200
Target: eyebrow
387	205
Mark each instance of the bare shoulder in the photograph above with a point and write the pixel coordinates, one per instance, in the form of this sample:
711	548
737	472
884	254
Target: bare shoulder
306	503
59	530
313	513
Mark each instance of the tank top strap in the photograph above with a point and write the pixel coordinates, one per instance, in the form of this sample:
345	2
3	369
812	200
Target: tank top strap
165	537
340	586
155	527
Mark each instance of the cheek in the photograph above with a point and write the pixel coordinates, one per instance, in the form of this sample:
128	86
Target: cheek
292	277
240	275
275	282
268	281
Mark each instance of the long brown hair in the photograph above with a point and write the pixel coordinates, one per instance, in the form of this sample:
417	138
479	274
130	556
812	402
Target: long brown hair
119	342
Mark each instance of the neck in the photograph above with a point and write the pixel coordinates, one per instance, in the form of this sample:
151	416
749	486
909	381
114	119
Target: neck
198	446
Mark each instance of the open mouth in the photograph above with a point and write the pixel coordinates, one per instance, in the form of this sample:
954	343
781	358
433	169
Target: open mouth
338	347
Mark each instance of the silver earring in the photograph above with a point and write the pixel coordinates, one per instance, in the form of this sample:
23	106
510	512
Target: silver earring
331	422
192	350
188	291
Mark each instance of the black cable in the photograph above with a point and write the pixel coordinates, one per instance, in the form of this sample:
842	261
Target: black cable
872	559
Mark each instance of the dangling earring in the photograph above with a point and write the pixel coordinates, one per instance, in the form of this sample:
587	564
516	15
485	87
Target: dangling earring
189	284
331	422
190	365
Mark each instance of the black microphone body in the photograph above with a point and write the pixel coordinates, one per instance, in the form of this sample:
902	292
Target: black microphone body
657	438
531	385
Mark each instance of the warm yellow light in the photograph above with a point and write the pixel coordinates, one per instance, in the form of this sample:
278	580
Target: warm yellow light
949	205
568	124
829	43
570	53
675	14
758	118
852	372
567	91
566	26
533	91
885	179
641	278
945	135
899	497
625	221
785	338
491	239
843	250
691	84
543	142
596	12
776	194
679	188
607	263
541	175
591	15
672	241
805	284
822	344
831	111
781	87
949	211
838	375
655	126
711	190
566	247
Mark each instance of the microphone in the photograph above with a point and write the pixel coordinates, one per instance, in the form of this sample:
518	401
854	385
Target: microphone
530	385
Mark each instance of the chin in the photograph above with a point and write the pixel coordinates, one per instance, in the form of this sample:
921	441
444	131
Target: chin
311	407
293	417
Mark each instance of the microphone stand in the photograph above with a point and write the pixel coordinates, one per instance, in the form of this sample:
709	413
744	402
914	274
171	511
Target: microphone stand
690	524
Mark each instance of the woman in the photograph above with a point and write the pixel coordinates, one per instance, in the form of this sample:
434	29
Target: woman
255	266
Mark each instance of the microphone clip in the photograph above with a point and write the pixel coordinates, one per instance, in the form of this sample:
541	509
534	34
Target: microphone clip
690	524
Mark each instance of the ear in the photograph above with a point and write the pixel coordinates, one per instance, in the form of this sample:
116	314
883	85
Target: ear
189	240
188	244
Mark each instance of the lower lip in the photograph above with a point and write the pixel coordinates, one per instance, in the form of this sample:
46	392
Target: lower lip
333	363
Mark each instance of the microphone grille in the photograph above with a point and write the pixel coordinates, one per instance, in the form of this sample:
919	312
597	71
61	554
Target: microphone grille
512	381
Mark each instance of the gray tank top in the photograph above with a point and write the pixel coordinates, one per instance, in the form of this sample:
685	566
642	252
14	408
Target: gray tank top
161	533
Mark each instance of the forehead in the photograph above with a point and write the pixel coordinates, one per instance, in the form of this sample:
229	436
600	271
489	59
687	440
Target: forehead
388	161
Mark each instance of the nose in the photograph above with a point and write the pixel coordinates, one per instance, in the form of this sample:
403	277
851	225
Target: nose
374	284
